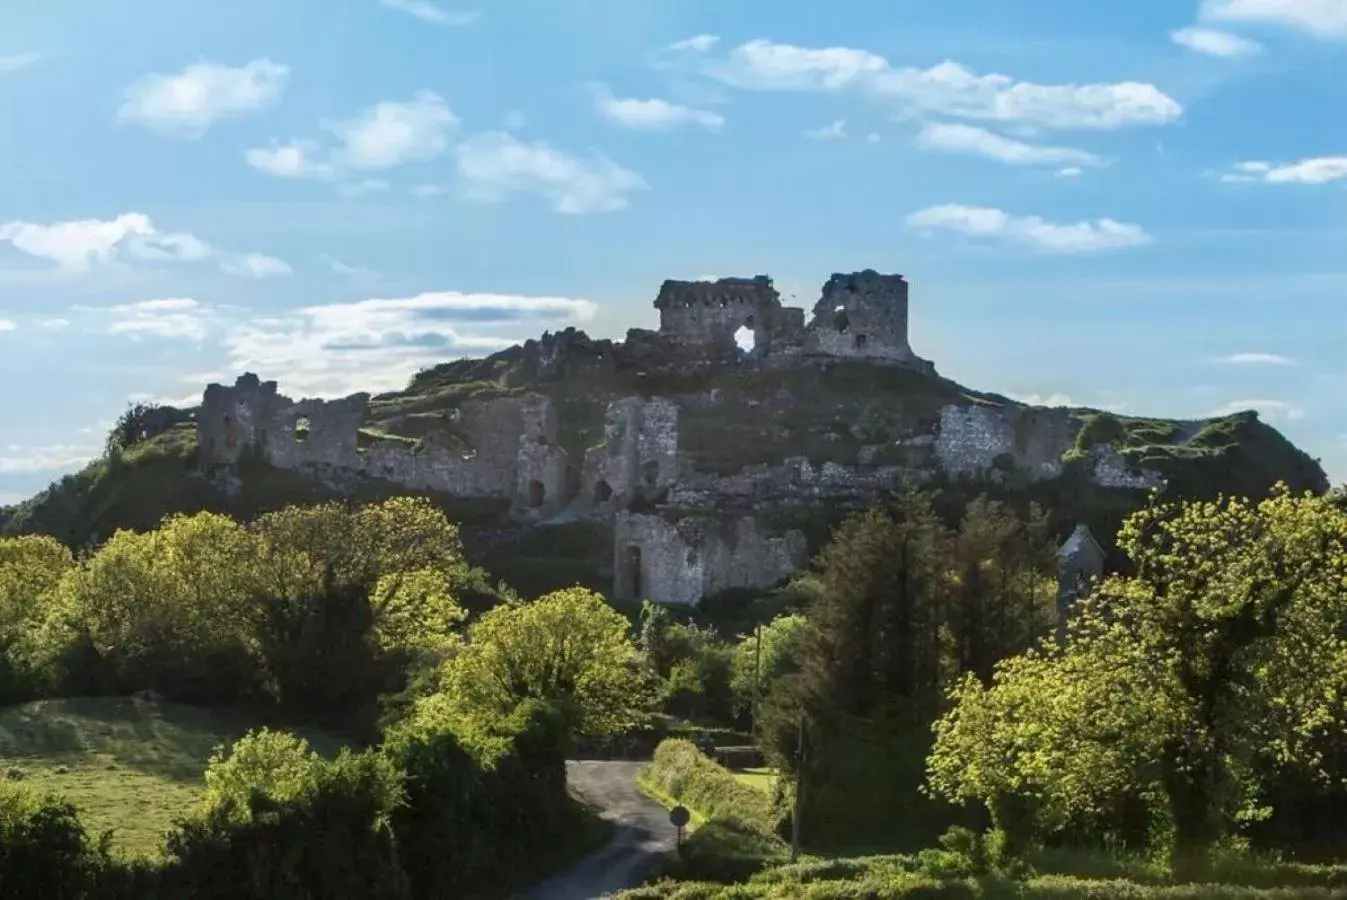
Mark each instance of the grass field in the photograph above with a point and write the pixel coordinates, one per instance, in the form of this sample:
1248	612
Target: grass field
131	766
762	779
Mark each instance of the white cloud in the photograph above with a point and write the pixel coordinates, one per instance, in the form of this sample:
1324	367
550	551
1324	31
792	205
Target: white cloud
16	61
1322	18
53	324
1258	359
1215	43
1032	231
947	88
290	160
427	190
8	325
651	114
699	43
834	131
386	135
256	265
429	12
1070	172
494	165
187	104
46	459
79	245
1272	410
173	318
337	267
1316	170
392	133
378	344
977	141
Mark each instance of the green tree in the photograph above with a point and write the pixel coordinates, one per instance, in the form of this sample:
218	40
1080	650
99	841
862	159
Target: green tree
31	568
761	659
1219	661
167	608
569	648
347	598
132	427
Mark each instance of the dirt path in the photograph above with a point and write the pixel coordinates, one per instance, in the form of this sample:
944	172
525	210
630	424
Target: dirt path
641	833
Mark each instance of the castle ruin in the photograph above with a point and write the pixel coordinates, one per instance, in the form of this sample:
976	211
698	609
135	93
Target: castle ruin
859	316
680	531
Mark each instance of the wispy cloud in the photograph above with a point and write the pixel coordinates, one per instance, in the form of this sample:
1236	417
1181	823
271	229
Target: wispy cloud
78	245
8	325
1211	42
1316	170
187	104
257	265
494	165
429	12
976	141
834	131
1321	18
173	318
652	114
16	61
1256	359
1272	410
50	458
378	344
948	88
1030	231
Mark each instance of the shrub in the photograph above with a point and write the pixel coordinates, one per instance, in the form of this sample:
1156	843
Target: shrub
739	835
484	807
44	850
276	816
683	773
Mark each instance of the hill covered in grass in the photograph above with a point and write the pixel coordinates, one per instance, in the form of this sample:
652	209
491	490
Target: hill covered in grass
733	419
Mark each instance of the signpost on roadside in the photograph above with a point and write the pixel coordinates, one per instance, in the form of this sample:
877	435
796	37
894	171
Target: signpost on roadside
680	817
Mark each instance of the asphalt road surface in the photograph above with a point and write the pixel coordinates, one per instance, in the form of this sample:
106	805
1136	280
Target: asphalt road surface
641	833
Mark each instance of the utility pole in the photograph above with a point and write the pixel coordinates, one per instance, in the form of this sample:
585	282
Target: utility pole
757	679
799	789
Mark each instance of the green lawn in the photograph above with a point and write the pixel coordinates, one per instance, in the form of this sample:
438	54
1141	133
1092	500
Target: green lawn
130	765
763	779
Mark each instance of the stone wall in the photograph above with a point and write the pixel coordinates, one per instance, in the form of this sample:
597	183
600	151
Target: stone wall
638	459
974	440
710	313
795	481
512	450
680	563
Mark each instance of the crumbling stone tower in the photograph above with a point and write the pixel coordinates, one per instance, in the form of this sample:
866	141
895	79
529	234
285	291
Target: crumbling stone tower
862	315
709	313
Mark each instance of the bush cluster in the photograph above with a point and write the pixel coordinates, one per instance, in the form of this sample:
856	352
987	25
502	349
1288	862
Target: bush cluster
437	810
740	827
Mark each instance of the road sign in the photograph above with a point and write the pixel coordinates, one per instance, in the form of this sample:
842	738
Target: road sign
680	817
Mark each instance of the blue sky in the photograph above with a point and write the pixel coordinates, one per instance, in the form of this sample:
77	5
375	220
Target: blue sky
1139	206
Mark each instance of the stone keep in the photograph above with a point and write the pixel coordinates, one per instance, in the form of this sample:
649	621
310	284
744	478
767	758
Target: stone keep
862	315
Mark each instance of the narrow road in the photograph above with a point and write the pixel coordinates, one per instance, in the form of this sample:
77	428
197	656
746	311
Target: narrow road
641	833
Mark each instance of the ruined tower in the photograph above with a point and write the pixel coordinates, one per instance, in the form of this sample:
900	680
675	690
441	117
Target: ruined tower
862	315
710	313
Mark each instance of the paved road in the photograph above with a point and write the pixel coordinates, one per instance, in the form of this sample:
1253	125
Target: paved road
641	833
